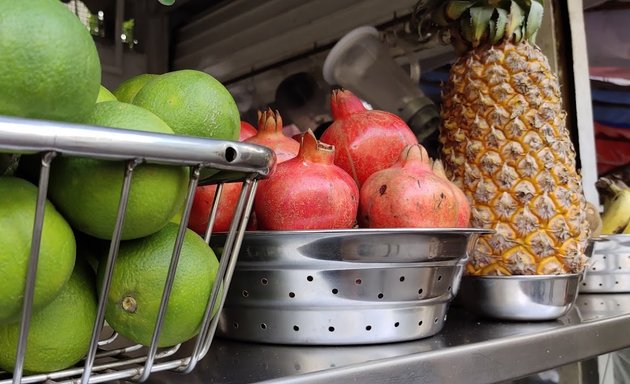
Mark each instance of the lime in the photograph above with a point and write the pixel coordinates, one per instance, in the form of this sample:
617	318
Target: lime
87	191
138	281
50	66
105	95
60	333
57	248
128	89
192	103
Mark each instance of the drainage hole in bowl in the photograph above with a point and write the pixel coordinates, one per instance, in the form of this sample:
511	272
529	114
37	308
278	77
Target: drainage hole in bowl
291	294
296	328
396	324
358	281
402	278
380	295
335	291
263	326
368	327
264	281
584	284
309	278
449	288
435	320
420	291
331	329
439	277
601	284
616	282
419	323
235	324
245	293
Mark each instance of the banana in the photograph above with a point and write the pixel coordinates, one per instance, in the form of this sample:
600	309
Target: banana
594	219
627	230
616	215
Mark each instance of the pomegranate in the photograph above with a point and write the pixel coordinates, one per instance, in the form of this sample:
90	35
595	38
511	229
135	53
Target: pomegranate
366	141
270	135
463	205
408	194
204	197
307	192
247	131
202	203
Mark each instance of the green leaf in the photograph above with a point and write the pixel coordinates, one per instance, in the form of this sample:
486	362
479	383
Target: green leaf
534	19
467	29
480	17
439	15
455	9
501	22
515	20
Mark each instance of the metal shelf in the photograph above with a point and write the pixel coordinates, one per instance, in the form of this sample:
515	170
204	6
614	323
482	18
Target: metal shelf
469	349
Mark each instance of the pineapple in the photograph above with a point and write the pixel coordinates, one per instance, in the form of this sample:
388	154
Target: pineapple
505	142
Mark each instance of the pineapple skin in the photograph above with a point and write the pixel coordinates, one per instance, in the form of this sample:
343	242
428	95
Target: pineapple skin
505	143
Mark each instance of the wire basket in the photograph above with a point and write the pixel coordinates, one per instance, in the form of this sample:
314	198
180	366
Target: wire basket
110	357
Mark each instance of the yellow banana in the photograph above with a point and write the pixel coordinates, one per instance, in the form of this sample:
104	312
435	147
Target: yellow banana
616	215
627	230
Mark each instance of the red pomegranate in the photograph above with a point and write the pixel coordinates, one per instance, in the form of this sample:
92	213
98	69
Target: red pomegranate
204	197
307	192
270	135
366	140
247	131
408	195
202	204
463	205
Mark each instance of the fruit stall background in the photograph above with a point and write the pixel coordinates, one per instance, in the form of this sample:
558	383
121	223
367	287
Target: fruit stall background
270	53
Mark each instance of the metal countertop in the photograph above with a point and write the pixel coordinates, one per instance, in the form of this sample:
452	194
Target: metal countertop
469	349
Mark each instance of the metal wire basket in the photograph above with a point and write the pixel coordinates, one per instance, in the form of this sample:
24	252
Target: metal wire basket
210	161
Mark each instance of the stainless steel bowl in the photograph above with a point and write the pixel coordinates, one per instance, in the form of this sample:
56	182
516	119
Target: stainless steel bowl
344	287
609	268
526	298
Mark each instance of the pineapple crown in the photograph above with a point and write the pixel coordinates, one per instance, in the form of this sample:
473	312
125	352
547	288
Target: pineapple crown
478	22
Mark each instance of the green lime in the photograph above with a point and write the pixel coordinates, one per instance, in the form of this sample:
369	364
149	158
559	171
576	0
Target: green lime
60	333
56	255
50	65
192	103
138	281
87	191
128	89
105	95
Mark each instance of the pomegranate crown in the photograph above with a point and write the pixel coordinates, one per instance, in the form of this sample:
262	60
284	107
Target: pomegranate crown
269	121
415	154
315	150
344	103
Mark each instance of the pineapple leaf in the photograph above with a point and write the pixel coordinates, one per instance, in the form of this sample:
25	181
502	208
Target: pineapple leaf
534	20
480	17
467	30
500	24
439	15
516	18
455	9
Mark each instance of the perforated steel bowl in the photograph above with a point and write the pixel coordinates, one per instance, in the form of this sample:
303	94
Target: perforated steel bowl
344	287
609	269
